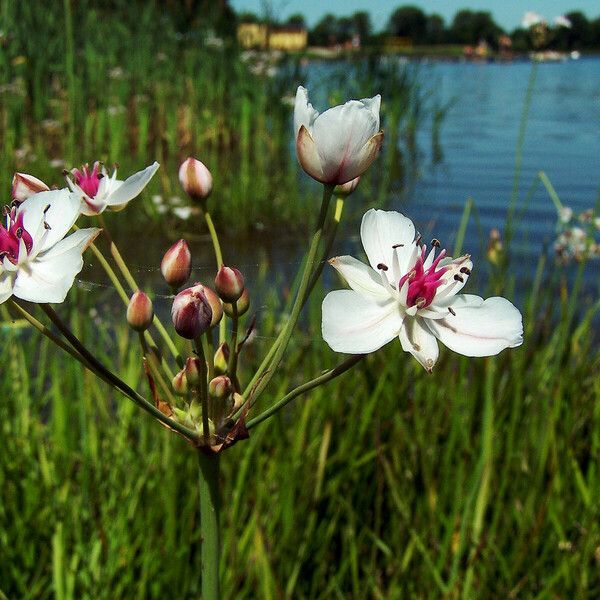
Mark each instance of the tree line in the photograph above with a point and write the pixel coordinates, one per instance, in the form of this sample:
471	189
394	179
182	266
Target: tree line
468	27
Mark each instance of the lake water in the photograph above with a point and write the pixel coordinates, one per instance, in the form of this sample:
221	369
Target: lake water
479	141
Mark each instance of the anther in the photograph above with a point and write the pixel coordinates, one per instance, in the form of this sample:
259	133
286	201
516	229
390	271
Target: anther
465	271
19	232
451	311
397	246
47	226
47	209
100	175
418	240
382	267
65	172
459	278
435	243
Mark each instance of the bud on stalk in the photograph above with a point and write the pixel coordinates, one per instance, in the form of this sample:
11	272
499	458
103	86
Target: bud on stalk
345	189
193	371
242	305
229	284
180	384
140	311
220	387
215	304
176	264
195	179
191	312
24	186
221	359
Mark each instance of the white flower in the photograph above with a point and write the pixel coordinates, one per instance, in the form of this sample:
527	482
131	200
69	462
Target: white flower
97	190
565	214
37	264
340	144
413	295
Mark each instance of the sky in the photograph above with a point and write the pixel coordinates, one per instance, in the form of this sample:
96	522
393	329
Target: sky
507	13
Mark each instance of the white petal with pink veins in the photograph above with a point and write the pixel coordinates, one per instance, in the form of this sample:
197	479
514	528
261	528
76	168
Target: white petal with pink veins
380	231
355	325
360	277
416	338
131	187
479	327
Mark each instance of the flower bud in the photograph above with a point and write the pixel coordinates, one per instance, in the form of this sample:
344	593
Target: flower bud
176	264
24	186
221	359
242	305
193	370
195	179
191	312
180	384
220	387
215	304
140	311
345	189
229	284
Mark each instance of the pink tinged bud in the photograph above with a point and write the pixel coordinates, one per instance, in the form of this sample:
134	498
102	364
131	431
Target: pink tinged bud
215	304
346	188
24	186
193	370
191	312
229	284
220	387
180	384
242	305
176	264
221	359
195	179
140	311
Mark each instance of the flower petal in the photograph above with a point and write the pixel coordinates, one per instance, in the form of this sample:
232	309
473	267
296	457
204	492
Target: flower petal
418	340
131	187
361	278
340	134
60	216
380	231
479	327
6	285
360	161
304	113
308	157
355	325
50	275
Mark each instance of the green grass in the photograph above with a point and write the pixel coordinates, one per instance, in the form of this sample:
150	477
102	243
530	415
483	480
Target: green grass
479	481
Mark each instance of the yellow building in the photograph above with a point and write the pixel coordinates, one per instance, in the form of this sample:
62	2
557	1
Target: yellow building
258	35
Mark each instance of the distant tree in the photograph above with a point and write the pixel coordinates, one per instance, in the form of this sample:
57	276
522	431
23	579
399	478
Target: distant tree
594	39
435	29
248	17
578	35
408	21
362	25
296	20
325	32
521	40
468	27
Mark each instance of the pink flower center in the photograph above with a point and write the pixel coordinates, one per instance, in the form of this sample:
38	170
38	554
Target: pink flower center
11	236
88	181
423	283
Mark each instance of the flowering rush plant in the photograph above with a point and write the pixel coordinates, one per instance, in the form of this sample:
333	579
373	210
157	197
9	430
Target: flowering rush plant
406	290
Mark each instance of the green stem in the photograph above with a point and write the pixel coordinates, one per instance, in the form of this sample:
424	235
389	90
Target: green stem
113	380
233	355
210	504
262	377
551	191
305	387
209	353
121	264
202	391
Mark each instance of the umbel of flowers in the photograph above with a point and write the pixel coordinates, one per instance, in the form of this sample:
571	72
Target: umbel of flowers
195	388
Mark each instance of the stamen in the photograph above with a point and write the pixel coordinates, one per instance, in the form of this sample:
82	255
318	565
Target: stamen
19	232
420	302
397	246
47	226
459	278
435	243
418	240
47	209
465	271
382	267
451	311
